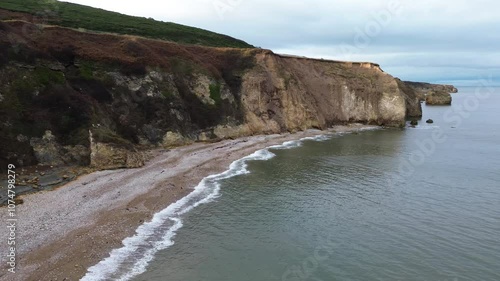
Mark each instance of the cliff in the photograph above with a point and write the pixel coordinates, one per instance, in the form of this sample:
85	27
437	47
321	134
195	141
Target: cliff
423	89
132	93
433	94
438	98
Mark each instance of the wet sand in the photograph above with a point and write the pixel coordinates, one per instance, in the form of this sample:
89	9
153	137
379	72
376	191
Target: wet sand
63	232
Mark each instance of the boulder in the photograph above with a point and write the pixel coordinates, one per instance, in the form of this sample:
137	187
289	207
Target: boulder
172	139
107	156
430	121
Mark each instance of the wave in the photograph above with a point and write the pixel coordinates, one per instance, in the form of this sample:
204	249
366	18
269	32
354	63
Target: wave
139	250
424	127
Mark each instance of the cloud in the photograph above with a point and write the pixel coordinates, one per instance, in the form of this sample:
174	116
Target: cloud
445	39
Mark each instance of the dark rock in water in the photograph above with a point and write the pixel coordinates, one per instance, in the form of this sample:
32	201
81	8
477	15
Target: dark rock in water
438	98
414	122
430	121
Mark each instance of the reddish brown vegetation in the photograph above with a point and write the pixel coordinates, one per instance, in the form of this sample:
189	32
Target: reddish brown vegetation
130	51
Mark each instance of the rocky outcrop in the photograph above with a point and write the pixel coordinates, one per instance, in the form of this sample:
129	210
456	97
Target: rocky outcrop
290	94
49	152
106	156
425	88
432	94
133	92
438	98
172	139
77	155
413	100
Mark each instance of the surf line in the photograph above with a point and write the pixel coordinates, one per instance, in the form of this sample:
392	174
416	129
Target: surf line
158	234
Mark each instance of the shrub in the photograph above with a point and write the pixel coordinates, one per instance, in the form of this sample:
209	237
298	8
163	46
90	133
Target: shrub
65	55
86	70
182	67
106	135
215	93
44	76
135	68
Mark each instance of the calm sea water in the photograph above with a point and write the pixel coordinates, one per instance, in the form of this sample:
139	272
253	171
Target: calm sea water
416	204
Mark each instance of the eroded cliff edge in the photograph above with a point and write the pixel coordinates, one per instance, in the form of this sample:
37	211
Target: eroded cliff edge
67	95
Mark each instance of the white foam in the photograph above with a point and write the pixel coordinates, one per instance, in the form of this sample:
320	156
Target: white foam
368	128
317	138
287	145
157	234
167	240
424	127
143	242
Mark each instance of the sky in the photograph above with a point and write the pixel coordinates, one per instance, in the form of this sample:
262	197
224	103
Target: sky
442	41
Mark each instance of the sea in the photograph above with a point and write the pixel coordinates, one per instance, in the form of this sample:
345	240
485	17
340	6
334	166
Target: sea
420	203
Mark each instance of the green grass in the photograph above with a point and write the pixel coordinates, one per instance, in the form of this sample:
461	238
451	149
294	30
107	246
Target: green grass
168	94
183	66
215	93
79	16
86	70
44	76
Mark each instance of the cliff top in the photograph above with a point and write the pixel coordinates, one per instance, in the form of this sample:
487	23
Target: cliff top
426	87
350	63
83	17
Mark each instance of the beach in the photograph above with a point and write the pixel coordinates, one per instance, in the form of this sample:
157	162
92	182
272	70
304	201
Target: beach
386	204
61	233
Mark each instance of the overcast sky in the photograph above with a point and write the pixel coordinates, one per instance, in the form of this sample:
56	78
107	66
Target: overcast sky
425	40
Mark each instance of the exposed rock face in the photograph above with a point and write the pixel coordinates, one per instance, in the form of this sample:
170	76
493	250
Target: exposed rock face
139	92
424	88
172	139
438	98
413	99
47	149
432	94
78	154
49	152
105	156
231	132
290	94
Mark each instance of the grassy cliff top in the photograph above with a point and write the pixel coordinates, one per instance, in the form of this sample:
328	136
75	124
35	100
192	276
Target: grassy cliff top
79	16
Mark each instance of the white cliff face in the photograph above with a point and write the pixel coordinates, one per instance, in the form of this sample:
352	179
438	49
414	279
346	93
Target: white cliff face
150	84
392	107
200	86
289	94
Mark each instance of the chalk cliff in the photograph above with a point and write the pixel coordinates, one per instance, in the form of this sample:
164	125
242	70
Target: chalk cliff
133	93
